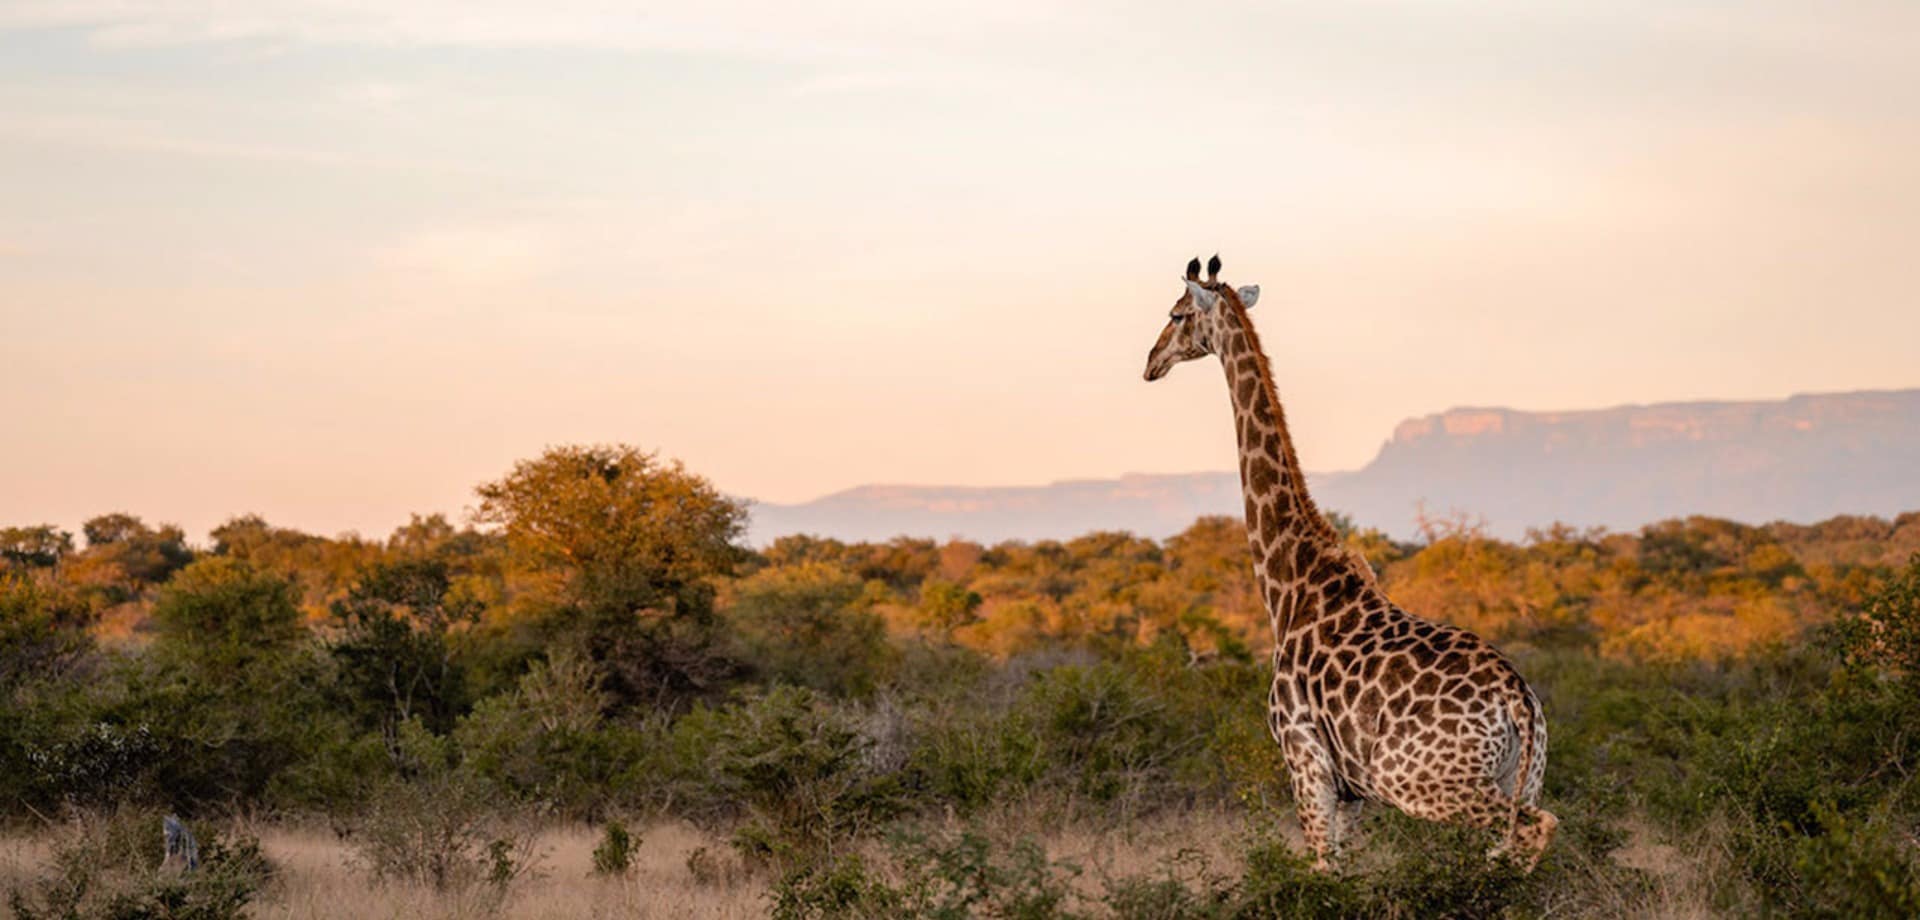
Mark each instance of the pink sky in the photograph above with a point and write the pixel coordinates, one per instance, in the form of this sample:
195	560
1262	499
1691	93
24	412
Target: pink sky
333	263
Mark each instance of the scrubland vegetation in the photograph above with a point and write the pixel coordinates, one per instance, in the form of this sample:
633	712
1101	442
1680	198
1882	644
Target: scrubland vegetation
592	700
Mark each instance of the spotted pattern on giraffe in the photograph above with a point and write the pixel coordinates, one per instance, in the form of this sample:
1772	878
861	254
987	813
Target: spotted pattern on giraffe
1369	703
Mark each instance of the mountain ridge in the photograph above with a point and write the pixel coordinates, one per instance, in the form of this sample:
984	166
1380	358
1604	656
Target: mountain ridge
1805	457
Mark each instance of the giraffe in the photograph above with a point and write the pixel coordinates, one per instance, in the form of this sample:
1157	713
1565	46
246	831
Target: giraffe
1368	702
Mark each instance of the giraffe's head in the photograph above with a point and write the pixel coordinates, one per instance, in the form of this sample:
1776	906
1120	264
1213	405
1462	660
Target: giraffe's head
1197	321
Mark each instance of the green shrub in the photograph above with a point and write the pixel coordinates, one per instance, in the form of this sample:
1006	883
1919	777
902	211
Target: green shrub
623	551
1447	873
1182	887
507	859
614	855
800	772
1278	882
154	729
968	875
392	647
438	823
342	766
1155	898
98	763
1436	871
839	888
1855	869
1842	868
969	758
109	866
1105	731
1887	632
547	743
953	877
42	629
810	625
224	616
1116	736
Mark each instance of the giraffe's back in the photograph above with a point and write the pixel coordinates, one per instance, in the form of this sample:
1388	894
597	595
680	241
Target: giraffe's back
1408	708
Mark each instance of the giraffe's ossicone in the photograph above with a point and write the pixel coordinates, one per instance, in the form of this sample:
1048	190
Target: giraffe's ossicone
1368	702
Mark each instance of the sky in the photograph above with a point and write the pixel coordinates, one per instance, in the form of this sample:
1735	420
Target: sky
338	261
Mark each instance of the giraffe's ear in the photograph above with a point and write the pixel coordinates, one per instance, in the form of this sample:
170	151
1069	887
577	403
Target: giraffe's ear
1249	295
1203	299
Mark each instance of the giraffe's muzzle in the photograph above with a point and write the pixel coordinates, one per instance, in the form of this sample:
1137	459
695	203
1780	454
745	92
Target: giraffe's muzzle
1157	367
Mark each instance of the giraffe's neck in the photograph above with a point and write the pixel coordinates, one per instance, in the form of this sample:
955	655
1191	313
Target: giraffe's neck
1291	541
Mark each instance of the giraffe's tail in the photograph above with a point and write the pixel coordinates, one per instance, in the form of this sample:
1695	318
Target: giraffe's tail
1521	708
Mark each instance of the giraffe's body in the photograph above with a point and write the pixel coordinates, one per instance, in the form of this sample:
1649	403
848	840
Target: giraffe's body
1368	702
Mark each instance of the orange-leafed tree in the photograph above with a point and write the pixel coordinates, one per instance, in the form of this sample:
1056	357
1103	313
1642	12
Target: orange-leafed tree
618	553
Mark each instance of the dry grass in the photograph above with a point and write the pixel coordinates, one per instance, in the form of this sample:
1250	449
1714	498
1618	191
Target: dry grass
21	858
318	876
319	879
1679	889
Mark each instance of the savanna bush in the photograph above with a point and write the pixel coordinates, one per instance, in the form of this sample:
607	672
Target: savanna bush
1136	731
837	888
968	758
1808	766
154	730
224	701
1436	872
108	865
437	822
1181	886
614	854
951	877
394	650
42	629
1277	881
1146	730
547	742
798	770
1855	869
1106	730
1887	632
811	625
1446	872
944	877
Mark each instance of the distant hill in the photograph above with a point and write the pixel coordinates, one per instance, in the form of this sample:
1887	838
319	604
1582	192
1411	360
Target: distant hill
1156	505
1803	459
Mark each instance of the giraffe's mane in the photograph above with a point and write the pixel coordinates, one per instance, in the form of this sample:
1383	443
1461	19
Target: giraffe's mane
1316	521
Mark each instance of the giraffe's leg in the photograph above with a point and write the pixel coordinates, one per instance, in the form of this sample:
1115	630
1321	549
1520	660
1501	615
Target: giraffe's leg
1346	825
1486	806
1315	796
1534	833
1530	837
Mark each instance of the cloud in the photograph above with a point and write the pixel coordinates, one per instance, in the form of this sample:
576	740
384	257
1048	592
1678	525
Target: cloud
145	136
487	255
850	28
911	78
889	28
554	244
141	135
